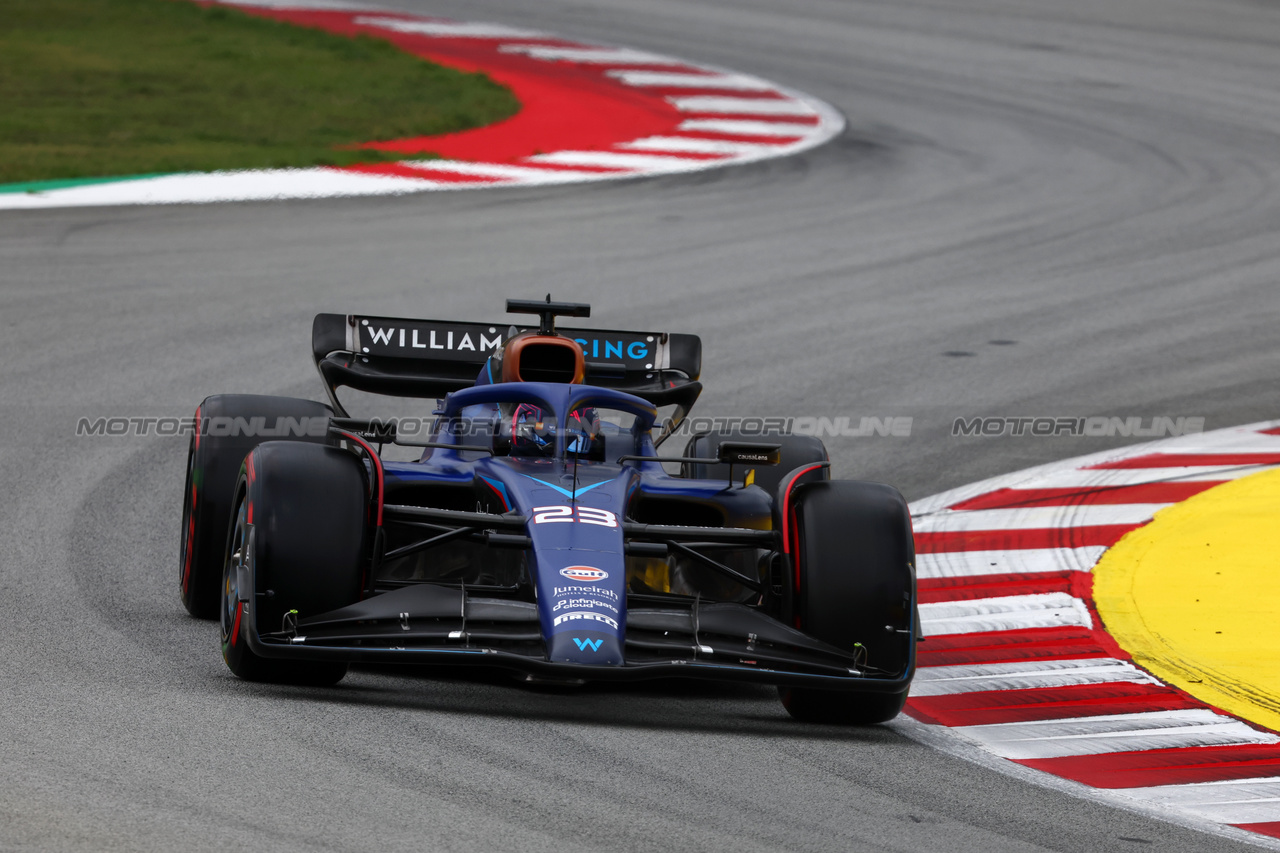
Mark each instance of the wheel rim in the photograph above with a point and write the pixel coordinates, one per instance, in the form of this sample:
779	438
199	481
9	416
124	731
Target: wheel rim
232	609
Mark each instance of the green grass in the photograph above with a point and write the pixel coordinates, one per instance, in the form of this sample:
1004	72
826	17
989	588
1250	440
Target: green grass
96	88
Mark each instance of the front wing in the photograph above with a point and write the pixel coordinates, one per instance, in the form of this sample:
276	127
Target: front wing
666	637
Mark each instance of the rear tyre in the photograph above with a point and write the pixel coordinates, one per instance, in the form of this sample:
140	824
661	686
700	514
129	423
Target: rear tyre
213	463
298	542
797	450
857	591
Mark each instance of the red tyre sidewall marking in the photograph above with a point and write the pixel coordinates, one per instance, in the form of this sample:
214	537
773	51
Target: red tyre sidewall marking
235	630
191	515
376	463
791	538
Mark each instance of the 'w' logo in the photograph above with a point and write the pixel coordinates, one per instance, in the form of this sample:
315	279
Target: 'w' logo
583	645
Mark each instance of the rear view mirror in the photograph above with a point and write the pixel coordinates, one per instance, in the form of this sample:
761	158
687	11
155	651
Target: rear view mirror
747	453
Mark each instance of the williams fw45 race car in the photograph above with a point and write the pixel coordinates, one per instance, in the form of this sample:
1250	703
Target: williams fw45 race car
539	532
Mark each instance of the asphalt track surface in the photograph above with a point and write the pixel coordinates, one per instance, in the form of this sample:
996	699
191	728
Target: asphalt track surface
1096	181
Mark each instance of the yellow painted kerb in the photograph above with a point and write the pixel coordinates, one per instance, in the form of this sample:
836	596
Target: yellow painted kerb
1194	596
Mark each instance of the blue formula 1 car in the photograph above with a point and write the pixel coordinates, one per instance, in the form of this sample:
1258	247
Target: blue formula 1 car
539	530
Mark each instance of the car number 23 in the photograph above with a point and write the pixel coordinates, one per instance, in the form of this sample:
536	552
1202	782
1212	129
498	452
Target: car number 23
581	514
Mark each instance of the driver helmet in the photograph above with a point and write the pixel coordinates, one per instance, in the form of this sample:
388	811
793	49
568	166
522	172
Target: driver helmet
536	357
532	435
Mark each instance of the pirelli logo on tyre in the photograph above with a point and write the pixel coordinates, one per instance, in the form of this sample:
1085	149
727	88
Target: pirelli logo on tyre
584	574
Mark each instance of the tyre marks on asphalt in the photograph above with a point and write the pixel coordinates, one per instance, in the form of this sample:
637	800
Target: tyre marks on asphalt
1018	663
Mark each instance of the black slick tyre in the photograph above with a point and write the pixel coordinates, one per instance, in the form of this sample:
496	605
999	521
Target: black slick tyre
856	590
298	542
213	463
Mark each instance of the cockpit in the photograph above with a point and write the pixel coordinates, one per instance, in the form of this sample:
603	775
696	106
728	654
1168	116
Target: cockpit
520	419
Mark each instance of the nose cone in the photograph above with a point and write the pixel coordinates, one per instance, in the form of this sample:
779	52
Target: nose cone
585	646
584	611
578	559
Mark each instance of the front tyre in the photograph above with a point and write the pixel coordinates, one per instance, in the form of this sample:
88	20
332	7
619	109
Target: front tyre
856	590
298	543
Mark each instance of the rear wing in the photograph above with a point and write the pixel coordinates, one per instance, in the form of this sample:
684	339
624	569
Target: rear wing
430	358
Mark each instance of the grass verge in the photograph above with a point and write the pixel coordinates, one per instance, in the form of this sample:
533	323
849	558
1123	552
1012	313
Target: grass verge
98	88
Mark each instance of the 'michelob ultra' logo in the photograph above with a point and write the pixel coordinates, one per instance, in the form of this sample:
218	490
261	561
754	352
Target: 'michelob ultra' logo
584	574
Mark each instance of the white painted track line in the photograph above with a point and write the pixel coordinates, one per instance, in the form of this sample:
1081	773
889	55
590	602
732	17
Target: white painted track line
1115	733
741	106
1095	478
324	5
674	79
961	564
452	29
1004	613
745	127
694	145
619	160
1038	517
591	55
1024	675
254	185
1232	801
500	171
